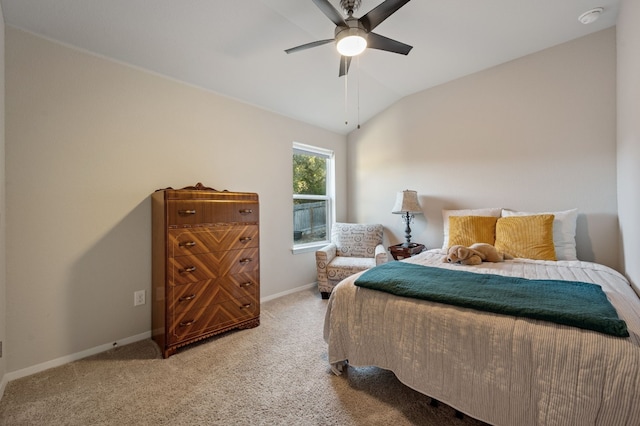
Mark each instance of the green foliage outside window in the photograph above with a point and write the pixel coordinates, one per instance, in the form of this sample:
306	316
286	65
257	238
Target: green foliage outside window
309	175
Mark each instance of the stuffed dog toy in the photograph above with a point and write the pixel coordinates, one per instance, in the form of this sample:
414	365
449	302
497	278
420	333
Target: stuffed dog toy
475	254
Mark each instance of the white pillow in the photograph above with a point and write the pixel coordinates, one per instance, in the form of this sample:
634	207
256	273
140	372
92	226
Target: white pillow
564	231
468	212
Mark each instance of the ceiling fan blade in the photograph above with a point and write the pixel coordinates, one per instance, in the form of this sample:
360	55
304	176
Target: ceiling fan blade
331	12
309	45
345	61
376	41
381	12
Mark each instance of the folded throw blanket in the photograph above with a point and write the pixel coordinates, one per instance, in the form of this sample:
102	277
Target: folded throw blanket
572	303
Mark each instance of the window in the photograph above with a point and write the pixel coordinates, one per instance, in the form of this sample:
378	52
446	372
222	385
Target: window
313	193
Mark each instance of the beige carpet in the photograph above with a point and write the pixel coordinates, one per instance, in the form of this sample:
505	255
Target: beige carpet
275	374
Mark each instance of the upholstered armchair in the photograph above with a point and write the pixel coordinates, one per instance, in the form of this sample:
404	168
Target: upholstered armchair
354	247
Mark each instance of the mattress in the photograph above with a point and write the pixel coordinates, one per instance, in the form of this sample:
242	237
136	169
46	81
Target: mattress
500	369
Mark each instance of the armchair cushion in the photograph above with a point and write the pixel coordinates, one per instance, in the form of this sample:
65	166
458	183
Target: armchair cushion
356	240
342	267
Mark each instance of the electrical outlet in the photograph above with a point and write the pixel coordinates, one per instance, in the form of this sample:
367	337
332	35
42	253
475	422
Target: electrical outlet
139	297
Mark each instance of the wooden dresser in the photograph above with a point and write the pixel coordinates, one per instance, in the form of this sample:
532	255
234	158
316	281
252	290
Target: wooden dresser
206	264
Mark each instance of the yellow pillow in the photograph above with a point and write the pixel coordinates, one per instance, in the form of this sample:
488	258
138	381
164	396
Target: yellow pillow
467	230
529	237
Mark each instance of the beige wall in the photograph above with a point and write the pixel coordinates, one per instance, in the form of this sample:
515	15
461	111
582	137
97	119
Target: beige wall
537	133
3	210
629	137
87	142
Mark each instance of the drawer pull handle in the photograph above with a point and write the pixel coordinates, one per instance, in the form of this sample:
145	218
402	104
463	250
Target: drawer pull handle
187	298
245	260
247	284
245	239
189	269
186	212
245	306
246	211
186	323
187	244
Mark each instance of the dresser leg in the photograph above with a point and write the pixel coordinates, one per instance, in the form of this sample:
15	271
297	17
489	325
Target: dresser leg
168	352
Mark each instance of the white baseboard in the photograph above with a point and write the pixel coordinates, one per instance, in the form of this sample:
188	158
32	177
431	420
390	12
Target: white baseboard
72	357
98	349
284	293
3	385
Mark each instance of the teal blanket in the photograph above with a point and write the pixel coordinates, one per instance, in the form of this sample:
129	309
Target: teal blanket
572	303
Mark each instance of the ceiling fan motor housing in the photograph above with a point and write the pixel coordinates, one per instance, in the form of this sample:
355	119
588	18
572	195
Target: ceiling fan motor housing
355	28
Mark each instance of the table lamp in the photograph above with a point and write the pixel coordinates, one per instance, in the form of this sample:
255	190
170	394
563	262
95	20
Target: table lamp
408	206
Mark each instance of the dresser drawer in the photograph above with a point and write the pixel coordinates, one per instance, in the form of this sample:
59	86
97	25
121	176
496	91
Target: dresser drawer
194	212
199	321
191	296
244	284
199	267
204	293
186	241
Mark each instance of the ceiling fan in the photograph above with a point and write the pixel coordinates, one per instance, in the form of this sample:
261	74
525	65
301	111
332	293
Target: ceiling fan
354	35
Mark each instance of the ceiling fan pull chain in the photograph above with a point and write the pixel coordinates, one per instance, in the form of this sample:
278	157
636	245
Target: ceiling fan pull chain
346	94
358	87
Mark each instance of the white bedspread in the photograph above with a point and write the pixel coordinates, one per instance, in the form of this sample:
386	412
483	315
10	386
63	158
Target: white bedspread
500	369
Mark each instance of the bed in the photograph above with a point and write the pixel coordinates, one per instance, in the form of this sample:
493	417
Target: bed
501	369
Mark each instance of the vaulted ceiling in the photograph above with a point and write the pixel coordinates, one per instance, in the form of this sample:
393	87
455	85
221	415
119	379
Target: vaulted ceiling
236	47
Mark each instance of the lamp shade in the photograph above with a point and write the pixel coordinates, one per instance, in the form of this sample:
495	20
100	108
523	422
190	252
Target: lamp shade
407	201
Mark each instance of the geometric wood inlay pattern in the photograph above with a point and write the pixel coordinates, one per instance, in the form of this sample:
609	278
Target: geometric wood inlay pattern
208	292
190	269
203	240
193	322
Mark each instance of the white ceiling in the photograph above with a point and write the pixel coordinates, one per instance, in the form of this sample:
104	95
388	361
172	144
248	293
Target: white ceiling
236	47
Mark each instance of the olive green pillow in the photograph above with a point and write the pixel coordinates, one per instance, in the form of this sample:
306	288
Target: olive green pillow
529	237
467	230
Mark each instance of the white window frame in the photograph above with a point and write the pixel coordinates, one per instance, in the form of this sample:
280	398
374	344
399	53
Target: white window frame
299	148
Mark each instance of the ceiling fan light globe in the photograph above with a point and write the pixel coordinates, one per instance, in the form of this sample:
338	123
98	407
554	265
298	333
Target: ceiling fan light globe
352	45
